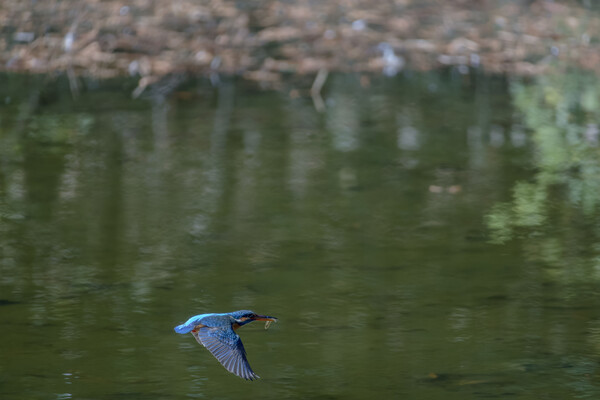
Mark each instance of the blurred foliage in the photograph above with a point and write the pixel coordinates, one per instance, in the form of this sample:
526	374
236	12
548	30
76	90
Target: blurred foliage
562	112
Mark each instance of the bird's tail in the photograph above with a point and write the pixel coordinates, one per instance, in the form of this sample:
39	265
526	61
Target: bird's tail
183	328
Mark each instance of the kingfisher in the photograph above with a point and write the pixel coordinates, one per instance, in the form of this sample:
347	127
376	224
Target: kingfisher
216	332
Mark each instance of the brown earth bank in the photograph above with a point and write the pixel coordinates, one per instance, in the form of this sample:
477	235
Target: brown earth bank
265	40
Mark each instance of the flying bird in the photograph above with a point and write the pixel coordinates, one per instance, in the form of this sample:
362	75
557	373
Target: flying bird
216	332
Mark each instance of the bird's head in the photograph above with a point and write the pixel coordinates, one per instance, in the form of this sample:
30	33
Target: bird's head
243	317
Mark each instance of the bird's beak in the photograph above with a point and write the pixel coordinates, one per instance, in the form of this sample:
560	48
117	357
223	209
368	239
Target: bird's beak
264	318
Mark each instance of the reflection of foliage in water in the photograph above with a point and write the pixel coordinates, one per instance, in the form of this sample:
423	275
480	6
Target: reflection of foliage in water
562	111
122	215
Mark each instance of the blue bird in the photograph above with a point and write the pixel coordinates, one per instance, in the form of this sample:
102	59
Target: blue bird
216	332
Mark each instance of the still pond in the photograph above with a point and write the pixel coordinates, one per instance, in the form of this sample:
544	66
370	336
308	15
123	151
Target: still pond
429	236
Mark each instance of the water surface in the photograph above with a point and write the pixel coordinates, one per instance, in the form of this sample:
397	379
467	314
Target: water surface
414	239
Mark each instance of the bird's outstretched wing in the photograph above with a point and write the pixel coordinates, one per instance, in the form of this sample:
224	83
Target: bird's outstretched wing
227	347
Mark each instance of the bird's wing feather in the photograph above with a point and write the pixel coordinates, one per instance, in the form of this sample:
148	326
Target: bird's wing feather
227	348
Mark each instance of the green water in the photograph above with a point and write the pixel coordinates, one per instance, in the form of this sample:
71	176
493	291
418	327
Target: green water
415	239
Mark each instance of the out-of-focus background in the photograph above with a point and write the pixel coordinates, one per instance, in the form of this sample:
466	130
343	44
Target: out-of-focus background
412	187
264	40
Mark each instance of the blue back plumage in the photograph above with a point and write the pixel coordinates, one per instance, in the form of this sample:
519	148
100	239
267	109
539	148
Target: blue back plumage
183	328
212	320
188	325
